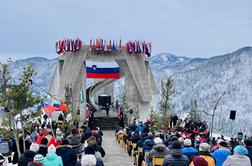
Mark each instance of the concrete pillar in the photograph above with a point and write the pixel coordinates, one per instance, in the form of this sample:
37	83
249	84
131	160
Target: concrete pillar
83	91
132	94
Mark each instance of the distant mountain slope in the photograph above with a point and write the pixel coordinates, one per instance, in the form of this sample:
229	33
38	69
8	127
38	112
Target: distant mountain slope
42	66
194	79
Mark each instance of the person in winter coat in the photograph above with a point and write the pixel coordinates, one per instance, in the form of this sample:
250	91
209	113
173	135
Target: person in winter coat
159	150
67	154
204	152
37	161
51	158
88	160
148	143
176	157
28	155
189	151
199	161
139	127
74	139
92	142
43	147
89	150
239	157
135	137
40	137
221	154
248	144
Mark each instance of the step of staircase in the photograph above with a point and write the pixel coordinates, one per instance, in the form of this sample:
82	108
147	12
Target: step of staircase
106	123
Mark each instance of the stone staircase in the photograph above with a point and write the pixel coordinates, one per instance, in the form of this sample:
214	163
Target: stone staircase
106	123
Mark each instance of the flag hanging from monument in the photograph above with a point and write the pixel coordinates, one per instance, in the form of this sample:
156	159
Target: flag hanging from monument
105	70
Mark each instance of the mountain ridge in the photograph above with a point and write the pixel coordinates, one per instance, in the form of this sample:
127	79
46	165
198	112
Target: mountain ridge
194	78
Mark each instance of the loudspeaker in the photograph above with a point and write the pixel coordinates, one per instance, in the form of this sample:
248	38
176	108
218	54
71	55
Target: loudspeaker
232	115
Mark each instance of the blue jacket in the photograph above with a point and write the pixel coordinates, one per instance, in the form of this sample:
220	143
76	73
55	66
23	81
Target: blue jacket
139	128
52	159
190	152
148	144
220	155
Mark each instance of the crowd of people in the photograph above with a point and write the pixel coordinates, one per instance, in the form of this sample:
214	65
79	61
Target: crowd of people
184	143
56	144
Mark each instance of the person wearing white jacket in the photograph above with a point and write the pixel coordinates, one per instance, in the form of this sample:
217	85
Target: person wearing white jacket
239	158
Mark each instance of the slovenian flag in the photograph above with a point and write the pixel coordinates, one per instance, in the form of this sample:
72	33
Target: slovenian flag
105	70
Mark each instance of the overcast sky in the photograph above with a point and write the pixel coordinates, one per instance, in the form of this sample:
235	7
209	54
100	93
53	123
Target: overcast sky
194	28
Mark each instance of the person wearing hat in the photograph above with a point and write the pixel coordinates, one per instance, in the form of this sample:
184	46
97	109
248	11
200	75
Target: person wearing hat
188	150
88	160
221	154
204	152
37	161
74	139
92	142
239	157
159	149
51	158
199	161
43	147
248	144
148	143
89	150
28	155
176	157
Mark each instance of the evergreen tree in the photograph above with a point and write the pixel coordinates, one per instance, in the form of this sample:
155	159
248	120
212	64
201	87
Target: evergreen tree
4	88
194	113
167	92
21	98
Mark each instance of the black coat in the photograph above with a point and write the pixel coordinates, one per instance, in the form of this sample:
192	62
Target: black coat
26	157
135	138
99	149
43	150
67	154
176	158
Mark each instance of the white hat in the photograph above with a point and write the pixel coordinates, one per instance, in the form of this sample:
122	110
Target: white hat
205	147
88	160
51	149
219	141
158	140
187	142
34	147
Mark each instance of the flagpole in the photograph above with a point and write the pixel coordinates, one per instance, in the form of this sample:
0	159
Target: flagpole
32	83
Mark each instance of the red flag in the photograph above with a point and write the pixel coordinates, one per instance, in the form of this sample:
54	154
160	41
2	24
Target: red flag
90	45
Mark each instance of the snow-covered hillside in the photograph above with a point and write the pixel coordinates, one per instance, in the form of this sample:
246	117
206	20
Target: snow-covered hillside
201	79
43	67
205	79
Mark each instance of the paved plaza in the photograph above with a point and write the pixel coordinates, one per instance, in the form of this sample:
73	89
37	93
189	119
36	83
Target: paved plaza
115	155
